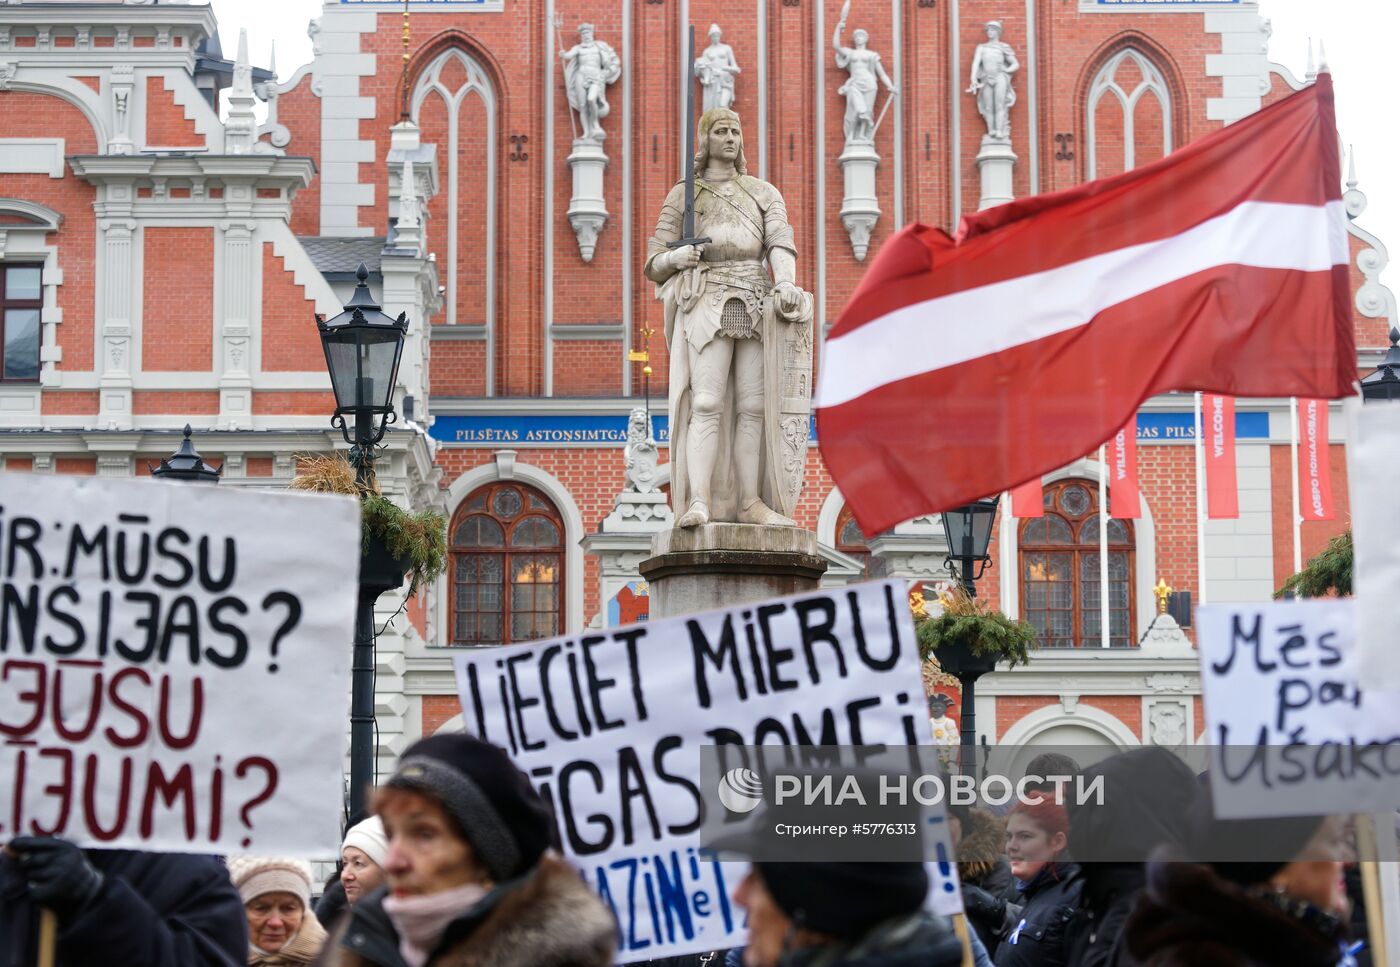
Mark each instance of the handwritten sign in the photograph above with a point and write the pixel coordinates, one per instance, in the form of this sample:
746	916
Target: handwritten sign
609	727
174	664
1292	729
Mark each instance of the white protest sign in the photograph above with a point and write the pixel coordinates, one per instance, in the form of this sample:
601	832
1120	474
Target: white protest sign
174	664
1292	730
609	725
1373	467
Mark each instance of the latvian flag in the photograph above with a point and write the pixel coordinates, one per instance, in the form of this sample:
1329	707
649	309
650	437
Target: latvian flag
968	365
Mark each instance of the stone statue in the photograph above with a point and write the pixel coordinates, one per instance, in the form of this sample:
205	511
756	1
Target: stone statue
640	456
945	730
861	88
740	340
993	63
716	68
589	67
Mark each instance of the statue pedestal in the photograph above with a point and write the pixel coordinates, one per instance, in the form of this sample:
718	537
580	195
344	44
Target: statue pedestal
587	211
720	565
860	209
997	162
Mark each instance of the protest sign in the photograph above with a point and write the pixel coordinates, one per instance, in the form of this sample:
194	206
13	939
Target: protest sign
174	664
1291	729
609	727
1373	467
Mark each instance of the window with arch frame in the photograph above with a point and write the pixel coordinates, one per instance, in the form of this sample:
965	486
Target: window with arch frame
506	582
1059	562
850	539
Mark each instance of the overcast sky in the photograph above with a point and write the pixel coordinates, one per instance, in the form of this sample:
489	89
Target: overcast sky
1358	34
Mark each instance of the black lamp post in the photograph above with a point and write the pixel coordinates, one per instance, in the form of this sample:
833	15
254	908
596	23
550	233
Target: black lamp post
363	346
969	532
1384	383
186	464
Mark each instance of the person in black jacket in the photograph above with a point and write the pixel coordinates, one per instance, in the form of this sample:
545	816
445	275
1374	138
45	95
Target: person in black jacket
119	907
1148	795
988	888
1049	882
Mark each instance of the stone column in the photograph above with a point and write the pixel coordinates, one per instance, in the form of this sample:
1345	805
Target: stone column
587	211
114	347
997	163
860	208
236	334
720	565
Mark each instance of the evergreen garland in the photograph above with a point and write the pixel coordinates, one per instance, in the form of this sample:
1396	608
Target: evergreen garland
984	629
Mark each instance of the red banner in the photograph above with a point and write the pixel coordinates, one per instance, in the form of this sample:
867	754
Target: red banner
1123	498
1028	500
1222	485
1314	470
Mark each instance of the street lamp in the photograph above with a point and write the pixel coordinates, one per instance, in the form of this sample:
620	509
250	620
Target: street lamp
363	346
1384	383
969	532
186	464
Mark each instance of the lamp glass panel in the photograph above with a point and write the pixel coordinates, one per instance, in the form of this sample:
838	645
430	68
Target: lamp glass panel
342	352
379	357
983	517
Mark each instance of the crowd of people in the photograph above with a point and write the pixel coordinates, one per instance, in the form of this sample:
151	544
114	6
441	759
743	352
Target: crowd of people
459	866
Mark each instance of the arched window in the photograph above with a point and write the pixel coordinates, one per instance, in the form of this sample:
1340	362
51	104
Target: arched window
1060	570
850	539
507	546
455	104
1128	115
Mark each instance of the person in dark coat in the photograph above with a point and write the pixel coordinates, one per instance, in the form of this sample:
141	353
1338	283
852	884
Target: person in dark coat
988	888
1037	837
119	907
472	880
1148	796
843	914
1243	905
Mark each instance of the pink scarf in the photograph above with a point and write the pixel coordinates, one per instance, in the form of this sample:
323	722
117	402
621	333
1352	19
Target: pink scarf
422	920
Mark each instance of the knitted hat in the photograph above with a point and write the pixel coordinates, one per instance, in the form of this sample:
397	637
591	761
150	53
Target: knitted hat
1245	851
369	838
254	876
844	900
507	824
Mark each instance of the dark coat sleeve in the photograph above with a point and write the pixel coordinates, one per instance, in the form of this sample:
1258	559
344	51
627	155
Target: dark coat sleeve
159	910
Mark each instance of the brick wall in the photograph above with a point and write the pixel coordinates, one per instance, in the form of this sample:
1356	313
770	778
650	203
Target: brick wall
1315	533
177	323
290	341
439	709
166	124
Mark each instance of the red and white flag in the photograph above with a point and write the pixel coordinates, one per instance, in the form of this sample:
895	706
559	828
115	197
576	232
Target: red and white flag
1222	481
1314	469
1040	327
1028	500
1124	501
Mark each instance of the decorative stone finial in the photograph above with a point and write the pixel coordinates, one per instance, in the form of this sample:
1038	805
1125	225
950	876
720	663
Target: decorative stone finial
240	130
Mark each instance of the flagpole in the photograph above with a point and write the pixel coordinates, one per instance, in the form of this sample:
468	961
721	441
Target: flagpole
1104	640
1200	507
1297	506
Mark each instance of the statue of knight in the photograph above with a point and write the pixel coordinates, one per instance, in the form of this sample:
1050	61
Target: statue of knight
740	338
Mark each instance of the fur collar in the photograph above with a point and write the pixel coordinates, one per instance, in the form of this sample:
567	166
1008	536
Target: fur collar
551	919
1191	916
980	848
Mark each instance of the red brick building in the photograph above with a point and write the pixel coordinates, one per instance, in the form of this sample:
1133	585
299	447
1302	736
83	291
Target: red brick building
164	252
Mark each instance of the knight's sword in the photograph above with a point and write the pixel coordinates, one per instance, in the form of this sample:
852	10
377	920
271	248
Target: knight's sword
688	154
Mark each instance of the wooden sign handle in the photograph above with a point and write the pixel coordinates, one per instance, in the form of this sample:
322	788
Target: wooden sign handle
48	937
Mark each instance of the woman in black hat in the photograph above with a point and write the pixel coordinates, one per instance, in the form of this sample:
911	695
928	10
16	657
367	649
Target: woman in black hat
1264	893
471	876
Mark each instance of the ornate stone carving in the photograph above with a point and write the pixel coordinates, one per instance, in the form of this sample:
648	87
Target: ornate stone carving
860	207
7	74
241	126
716	68
1167	723
641	456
